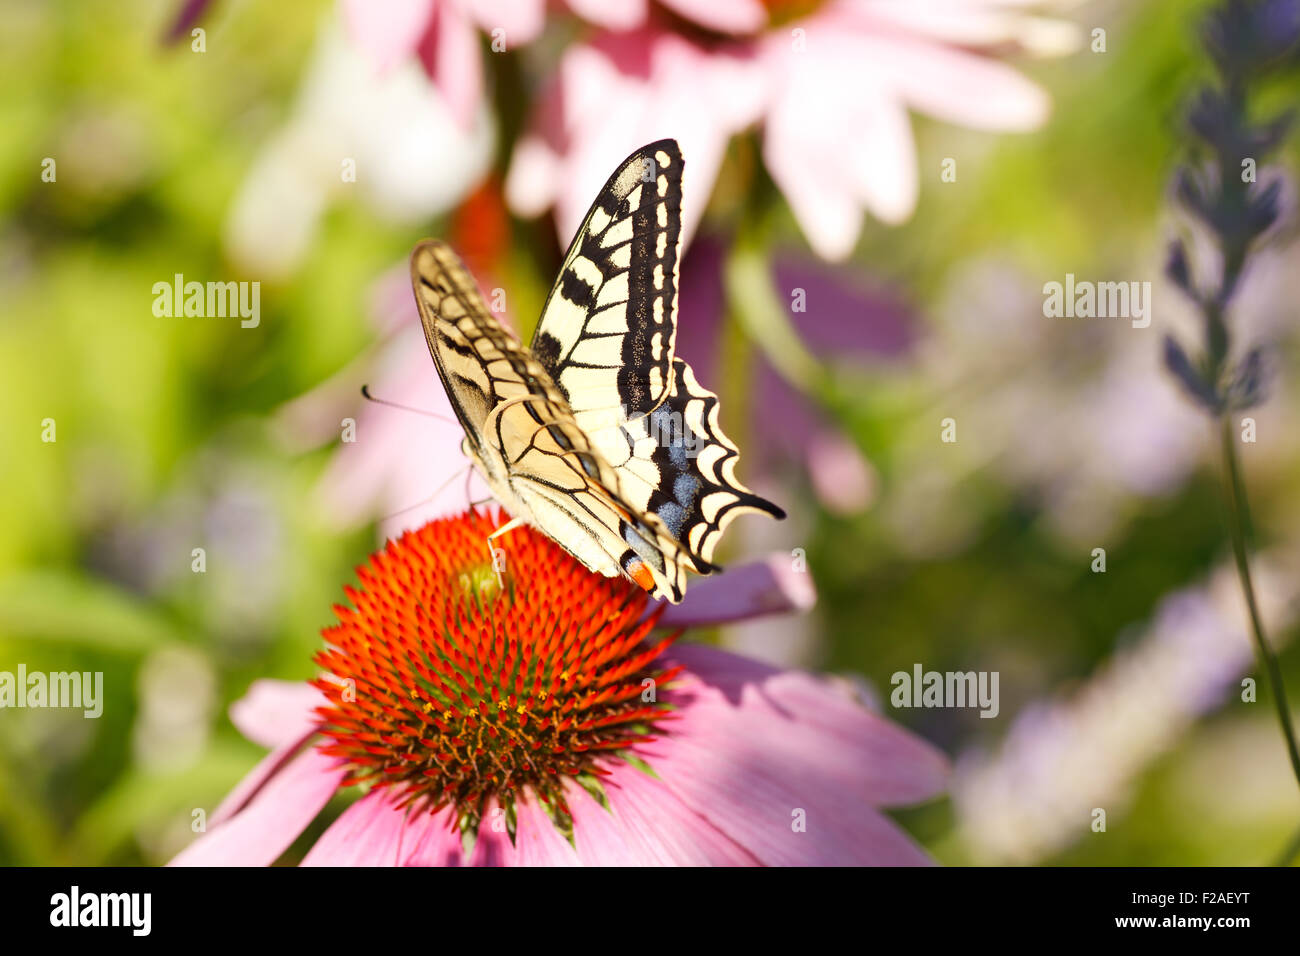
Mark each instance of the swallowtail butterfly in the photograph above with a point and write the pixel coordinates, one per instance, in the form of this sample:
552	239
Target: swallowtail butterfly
597	433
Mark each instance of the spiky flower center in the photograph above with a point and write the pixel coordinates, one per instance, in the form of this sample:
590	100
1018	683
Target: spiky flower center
457	677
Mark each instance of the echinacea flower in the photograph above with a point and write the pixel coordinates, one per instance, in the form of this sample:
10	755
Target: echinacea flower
831	91
837	138
517	709
443	34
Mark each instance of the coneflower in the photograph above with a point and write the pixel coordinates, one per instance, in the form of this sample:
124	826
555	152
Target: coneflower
459	676
512	707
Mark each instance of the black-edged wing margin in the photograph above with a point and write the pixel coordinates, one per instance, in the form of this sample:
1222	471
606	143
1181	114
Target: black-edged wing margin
683	470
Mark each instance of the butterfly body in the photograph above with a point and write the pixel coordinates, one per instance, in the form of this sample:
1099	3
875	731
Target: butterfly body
597	433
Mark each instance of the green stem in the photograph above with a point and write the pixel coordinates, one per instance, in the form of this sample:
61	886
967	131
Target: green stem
1239	528
752	296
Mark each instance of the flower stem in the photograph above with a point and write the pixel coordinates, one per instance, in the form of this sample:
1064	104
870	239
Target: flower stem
1238	529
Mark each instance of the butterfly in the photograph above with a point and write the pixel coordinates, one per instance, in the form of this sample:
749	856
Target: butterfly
597	433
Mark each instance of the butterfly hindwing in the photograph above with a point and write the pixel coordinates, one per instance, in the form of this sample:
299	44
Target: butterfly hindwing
685	468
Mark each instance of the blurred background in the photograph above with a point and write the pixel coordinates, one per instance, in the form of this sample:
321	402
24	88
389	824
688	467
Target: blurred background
876	194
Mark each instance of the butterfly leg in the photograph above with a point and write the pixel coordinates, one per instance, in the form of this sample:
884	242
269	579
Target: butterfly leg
492	551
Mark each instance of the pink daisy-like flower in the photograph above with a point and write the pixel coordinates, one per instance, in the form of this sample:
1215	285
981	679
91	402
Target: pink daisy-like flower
831	91
635	87
837	139
528	713
444	34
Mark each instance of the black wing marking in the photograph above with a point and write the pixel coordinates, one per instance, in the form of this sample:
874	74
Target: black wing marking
608	331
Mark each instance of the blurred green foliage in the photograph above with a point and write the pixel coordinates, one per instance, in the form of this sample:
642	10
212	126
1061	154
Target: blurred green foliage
156	418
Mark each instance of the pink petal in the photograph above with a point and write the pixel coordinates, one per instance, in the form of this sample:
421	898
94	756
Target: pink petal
957	86
836	140
450	53
647	825
492	846
887	764
837	135
756	751
391	307
368	833
433	841
401	461
387	32
521	20
622	91
970	25
760	807
617	15
771	586
533	180
280	811
256	779
430	839
537	840
841	476
725	16
276	712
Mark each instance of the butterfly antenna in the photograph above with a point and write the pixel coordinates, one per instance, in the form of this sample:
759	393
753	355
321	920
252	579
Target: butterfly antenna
365	391
441	489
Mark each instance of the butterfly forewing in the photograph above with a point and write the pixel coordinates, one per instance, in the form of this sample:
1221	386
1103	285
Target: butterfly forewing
607	333
522	432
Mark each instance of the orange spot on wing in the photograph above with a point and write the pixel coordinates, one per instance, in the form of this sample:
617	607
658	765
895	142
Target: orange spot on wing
638	572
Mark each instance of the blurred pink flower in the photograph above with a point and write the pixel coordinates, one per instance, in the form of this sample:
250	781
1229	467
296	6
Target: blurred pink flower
632	88
750	764
444	33
837	138
726	16
831	91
